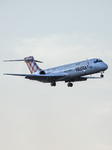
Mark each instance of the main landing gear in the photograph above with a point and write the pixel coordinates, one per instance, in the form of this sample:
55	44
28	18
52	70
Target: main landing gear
53	83
70	84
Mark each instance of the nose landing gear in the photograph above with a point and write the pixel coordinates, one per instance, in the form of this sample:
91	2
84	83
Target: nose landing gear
102	74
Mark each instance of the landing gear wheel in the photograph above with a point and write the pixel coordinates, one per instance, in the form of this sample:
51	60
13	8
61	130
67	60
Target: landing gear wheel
101	75
70	84
53	83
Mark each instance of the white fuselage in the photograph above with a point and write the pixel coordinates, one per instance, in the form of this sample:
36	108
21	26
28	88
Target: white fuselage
68	73
81	68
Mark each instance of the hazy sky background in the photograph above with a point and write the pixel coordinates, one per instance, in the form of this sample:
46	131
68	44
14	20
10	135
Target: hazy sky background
34	115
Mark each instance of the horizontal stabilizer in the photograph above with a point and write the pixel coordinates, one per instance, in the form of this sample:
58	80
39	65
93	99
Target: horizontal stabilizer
22	60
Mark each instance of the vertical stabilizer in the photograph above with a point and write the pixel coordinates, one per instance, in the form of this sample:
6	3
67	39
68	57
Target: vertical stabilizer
32	66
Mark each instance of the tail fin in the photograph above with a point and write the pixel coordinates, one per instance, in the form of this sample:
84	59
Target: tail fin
31	63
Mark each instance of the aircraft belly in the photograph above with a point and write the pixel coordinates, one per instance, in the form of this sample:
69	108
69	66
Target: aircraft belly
50	79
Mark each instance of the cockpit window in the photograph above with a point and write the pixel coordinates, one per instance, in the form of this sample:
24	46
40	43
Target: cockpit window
97	60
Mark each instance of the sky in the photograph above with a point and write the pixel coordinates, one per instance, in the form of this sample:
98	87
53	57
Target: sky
34	115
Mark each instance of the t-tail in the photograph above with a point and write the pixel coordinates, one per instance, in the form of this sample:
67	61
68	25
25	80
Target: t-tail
31	63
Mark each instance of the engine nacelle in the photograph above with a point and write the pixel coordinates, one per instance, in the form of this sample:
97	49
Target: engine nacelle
42	72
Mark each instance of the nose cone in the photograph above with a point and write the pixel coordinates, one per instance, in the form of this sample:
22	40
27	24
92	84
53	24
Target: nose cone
105	67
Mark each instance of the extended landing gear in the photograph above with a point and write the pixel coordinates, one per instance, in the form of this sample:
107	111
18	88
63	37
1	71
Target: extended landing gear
70	84
53	83
102	75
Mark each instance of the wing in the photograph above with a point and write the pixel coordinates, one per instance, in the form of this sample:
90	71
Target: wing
89	77
43	77
81	78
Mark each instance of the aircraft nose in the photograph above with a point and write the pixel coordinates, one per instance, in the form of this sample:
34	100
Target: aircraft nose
105	66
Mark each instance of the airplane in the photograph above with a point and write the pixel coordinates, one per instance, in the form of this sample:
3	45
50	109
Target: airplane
69	73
